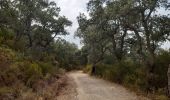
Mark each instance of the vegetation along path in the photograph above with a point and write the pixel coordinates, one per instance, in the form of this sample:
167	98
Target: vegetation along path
90	88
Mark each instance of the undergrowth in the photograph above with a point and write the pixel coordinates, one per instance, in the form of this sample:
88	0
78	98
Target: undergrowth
24	79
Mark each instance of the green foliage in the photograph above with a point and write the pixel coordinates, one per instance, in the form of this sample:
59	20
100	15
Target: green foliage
66	54
29	53
5	90
33	72
20	74
31	24
161	97
120	72
87	69
6	33
47	68
162	63
134	75
123	40
6	54
121	37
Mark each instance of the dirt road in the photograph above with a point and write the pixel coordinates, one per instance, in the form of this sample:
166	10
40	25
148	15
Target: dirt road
90	88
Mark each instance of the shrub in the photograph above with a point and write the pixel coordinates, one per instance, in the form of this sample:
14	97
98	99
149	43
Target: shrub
162	63
33	72
123	72
161	97
46	67
87	69
6	56
30	72
6	93
5	90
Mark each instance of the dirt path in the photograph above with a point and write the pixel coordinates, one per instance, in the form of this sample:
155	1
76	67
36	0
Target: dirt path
90	88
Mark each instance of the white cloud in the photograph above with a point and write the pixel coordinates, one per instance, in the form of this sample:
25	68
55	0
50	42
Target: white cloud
71	9
166	45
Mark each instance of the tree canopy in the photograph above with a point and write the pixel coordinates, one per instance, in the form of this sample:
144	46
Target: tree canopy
125	29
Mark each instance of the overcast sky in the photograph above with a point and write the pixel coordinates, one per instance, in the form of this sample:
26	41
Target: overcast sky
72	8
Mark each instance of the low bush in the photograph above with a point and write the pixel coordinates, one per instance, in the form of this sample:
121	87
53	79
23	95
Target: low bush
21	76
87	69
134	75
46	67
127	73
120	72
6	56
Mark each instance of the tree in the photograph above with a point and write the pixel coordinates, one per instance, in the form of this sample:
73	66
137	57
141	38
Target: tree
32	18
126	28
93	38
65	53
34	23
104	29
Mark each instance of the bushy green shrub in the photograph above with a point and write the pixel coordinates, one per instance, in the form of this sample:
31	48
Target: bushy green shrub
134	75
6	55
162	63
161	97
6	36
7	75
20	75
119	72
46	67
32	72
6	93
126	72
87	69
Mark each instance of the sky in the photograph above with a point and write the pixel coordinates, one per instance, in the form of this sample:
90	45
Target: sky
72	8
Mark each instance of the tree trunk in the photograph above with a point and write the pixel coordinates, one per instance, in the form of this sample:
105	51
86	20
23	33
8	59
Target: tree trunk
168	74
93	72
